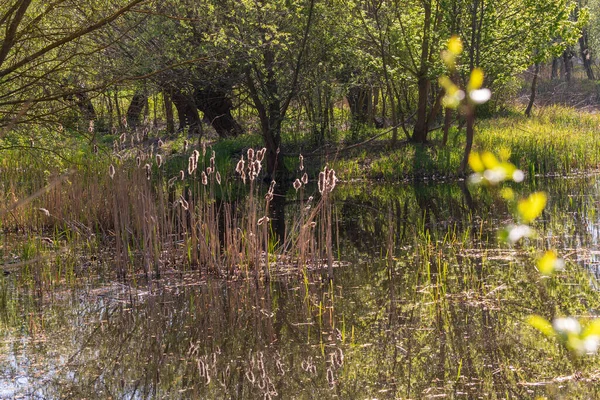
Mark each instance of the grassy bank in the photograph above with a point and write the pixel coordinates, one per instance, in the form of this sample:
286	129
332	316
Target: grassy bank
557	140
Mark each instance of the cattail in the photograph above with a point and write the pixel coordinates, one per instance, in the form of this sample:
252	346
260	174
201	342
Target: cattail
45	211
91	127
171	181
95	149
196	156
321	181
203	149
184	204
272	186
212	161
204	178
160	143
185	146
301	162
115	146
239	168
60	127
305	178
218	177
191	165
158	160
138	161
148	171
250	155
209	170
111	171
181	175
261	154
124	122
122	137
297	184
260	222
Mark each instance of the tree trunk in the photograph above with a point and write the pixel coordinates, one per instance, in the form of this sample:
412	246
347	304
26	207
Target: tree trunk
568	64
555	68
217	106
586	55
169	112
536	72
447	121
420	129
358	99
134	111
470	116
118	107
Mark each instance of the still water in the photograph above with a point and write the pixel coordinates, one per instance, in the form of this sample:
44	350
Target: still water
426	304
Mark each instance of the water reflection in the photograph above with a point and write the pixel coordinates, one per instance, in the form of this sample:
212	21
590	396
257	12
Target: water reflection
430	306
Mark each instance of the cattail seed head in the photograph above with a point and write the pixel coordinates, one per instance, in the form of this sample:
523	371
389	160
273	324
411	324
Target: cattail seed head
260	155
111	171
158	160
218	177
321	181
263	220
91	126
305	178
203	149
204	178
196	156
181	175
191	165
239	168
171	181
148	171
122	137
160	143
209	170
185	146
95	149
250	155
138	161
301	157
297	184
184	204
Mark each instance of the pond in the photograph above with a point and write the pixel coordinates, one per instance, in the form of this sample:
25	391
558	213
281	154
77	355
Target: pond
425	303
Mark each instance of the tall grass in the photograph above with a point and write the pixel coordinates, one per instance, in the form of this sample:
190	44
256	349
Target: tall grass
162	209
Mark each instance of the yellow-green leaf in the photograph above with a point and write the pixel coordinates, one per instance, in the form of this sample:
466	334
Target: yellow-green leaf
476	80
547	264
592	328
531	208
489	160
475	162
541	324
455	45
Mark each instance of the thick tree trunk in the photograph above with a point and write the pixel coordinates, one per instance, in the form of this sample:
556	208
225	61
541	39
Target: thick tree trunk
586	55
217	106
536	72
358	99
421	129
187	112
555	68
134	111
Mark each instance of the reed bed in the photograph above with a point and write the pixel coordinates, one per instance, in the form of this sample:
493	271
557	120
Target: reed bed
161	210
